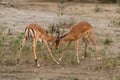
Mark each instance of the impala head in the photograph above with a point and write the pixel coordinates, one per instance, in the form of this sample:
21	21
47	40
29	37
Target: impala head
53	35
57	41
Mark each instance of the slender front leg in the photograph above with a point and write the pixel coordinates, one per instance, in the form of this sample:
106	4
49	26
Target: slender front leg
34	51
50	52
77	46
86	46
65	50
19	53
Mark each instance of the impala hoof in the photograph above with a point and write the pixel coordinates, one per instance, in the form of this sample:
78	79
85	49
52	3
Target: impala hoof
58	63
60	59
38	65
98	58
78	61
83	57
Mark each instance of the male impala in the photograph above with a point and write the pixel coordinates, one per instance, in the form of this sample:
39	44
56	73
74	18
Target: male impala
37	33
76	32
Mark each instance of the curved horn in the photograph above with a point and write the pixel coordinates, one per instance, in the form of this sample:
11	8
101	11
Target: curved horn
57	35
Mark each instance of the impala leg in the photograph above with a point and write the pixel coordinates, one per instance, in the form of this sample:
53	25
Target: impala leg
19	53
77	46
50	52
65	50
94	43
34	51
86	46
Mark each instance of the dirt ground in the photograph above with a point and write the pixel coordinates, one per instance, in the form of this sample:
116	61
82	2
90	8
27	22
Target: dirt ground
16	18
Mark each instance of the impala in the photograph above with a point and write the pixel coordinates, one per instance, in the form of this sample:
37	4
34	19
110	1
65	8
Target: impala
37	33
77	32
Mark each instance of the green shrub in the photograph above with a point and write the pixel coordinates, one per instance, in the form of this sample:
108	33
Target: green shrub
15	42
107	41
2	29
116	22
73	78
0	42
97	8
109	62
61	1
61	8
62	25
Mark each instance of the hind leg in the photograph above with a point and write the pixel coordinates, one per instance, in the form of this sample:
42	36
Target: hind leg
86	46
34	51
94	43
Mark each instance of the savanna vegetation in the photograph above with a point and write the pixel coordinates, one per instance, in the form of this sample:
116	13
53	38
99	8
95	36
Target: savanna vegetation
104	16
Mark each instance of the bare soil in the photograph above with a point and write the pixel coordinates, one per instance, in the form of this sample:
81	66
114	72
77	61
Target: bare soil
18	17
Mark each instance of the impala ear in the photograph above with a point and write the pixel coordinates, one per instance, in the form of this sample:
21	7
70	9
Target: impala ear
57	34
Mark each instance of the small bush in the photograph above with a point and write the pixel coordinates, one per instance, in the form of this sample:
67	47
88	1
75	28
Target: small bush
15	42
2	29
115	22
109	62
97	8
73	78
107	41
61	8
0	42
41	78
62	24
103	51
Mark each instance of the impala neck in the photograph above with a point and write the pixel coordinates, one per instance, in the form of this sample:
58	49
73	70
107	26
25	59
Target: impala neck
50	37
67	37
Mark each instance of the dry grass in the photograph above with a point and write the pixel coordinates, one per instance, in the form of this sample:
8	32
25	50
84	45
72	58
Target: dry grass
88	69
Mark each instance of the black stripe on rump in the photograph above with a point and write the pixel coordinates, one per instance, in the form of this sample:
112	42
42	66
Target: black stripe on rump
31	34
33	31
26	33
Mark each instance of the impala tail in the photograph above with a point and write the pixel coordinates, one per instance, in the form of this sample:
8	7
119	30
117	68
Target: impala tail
29	34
